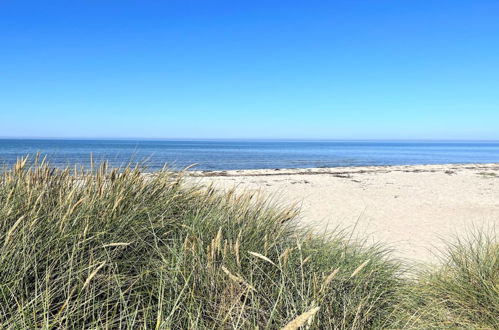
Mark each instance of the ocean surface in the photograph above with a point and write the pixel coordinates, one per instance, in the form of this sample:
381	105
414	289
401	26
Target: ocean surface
227	155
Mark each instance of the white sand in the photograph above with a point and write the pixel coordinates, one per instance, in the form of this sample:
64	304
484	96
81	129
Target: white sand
409	207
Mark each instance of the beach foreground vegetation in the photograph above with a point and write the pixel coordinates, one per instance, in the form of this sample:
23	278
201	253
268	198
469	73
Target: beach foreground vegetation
115	248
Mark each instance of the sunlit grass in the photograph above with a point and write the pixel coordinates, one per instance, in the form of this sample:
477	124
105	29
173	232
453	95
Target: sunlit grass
463	292
114	248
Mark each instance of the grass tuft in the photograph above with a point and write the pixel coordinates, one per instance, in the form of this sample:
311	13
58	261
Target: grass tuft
464	291
115	248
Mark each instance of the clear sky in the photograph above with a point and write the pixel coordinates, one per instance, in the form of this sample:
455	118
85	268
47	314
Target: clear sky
372	69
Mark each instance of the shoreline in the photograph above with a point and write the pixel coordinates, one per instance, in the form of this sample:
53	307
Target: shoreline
340	170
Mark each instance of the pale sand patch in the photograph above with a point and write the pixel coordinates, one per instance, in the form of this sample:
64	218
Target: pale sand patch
409	207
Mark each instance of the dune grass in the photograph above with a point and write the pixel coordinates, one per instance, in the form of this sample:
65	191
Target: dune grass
463	292
109	248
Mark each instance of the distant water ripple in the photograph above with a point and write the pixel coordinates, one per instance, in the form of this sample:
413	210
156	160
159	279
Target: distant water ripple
227	155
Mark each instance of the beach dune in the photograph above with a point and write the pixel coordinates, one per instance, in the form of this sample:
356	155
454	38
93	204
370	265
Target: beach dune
410	208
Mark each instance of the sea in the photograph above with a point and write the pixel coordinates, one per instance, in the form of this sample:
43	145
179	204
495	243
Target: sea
154	155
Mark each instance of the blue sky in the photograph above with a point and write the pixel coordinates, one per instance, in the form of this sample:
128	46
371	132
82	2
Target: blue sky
373	69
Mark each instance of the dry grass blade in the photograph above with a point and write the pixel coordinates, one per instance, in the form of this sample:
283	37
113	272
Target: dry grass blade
301	319
285	256
189	167
358	269
285	253
92	275
331	276
305	260
261	256
12	229
20	164
115	244
237	279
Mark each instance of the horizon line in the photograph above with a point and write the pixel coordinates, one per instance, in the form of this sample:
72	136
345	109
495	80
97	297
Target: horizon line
246	139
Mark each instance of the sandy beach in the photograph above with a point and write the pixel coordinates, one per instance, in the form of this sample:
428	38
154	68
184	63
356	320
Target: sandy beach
410	208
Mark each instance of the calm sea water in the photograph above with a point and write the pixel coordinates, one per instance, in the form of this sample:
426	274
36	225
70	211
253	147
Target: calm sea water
225	155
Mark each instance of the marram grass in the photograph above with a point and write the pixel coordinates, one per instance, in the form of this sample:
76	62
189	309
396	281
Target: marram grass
109	248
463	292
